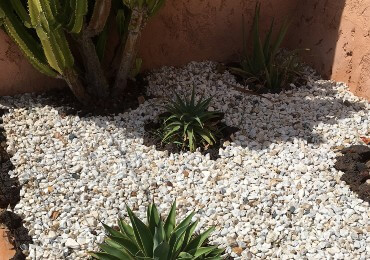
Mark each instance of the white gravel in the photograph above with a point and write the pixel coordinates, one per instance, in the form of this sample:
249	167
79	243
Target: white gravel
273	194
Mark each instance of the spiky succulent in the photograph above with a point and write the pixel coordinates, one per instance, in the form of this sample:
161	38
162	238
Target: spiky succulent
263	65
157	240
47	31
189	123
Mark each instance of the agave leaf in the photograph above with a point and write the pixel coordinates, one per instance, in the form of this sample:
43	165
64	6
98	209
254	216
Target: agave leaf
189	233
176	128
216	252
179	101
142	234
154	219
200	251
126	229
213	258
170	222
186	221
204	104
103	256
190	134
115	252
198	240
149	213
161	251
113	232
185	255
159	235
176	241
170	118
281	35
198	120
186	128
126	243
205	135
267	43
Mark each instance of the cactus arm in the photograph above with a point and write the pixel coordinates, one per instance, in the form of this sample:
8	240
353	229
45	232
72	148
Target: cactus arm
51	35
99	17
79	10
28	45
137	22
21	12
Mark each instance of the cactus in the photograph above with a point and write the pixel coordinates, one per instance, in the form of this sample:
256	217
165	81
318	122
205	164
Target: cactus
49	33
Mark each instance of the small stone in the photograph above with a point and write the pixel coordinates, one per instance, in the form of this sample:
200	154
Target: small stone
237	250
238	159
72	136
71	243
76	169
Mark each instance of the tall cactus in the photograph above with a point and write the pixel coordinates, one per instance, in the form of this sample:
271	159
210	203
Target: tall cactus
49	33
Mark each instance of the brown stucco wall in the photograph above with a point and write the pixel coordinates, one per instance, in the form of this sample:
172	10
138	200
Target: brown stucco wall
336	31
338	34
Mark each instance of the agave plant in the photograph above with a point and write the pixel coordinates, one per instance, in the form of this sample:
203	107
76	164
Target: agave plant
67	39
262	66
189	123
158	239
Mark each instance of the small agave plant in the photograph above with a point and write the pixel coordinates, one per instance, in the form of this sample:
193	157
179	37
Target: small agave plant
157	240
190	124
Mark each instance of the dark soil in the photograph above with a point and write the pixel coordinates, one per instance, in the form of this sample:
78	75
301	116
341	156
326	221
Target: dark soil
67	104
355	163
9	196
151	139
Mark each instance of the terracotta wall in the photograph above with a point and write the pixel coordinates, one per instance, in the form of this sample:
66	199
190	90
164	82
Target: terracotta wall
337	31
338	34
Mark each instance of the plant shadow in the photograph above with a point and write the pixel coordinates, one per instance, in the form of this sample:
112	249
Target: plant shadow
296	114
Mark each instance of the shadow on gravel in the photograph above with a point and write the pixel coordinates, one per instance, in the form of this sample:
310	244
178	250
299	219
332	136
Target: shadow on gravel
263	122
9	196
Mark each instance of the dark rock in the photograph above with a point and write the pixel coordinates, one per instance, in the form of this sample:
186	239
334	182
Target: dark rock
292	209
72	136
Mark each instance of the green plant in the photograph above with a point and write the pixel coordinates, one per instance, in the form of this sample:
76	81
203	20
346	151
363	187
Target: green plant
157	239
262	66
189	124
68	39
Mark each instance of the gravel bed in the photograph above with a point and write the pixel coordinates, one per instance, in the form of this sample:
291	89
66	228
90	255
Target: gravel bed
273	193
